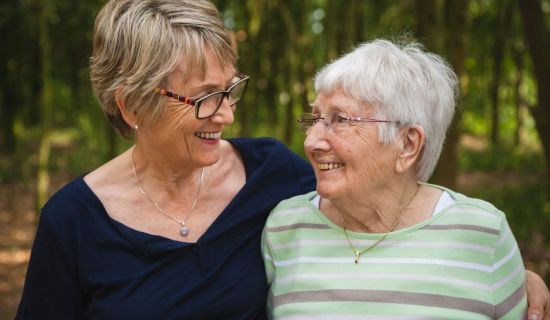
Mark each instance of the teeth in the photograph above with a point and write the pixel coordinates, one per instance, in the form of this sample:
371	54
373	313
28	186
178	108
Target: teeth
208	135
330	166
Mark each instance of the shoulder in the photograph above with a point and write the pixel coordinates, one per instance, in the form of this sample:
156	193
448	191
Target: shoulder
271	159
71	193
293	210
475	212
476	204
259	147
66	205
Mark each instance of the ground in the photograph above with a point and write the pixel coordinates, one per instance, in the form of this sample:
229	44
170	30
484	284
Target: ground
17	224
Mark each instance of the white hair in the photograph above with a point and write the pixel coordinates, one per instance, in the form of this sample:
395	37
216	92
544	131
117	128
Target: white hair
403	83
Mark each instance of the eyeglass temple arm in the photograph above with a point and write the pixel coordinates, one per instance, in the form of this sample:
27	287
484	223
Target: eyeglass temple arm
176	96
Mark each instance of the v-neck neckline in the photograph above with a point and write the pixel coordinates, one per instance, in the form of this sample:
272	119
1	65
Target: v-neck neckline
150	243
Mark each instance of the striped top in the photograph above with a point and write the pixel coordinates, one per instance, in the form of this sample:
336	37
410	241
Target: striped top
463	263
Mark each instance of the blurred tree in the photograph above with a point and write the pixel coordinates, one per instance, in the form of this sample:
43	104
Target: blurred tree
10	96
454	19
46	103
537	37
501	32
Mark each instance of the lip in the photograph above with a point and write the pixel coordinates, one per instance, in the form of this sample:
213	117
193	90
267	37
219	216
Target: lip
211	142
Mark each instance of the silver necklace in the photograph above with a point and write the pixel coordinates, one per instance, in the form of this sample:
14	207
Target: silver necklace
184	229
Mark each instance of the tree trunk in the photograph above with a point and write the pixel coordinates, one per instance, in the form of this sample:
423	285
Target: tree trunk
46	101
537	37
8	106
504	16
10	97
296	48
519	104
349	37
428	25
446	172
331	30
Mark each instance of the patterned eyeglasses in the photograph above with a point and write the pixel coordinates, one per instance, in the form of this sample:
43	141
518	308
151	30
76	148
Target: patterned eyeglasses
209	104
337	121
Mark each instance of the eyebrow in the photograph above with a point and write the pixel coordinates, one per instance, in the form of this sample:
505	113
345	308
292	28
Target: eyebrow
332	108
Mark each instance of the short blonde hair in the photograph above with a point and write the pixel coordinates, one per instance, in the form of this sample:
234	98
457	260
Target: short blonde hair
138	43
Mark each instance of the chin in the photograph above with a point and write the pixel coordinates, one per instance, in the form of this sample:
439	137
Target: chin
210	161
327	191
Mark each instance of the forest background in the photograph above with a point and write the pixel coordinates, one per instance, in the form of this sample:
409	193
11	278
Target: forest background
52	130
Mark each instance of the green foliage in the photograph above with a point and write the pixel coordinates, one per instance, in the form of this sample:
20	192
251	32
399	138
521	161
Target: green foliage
281	44
510	178
501	159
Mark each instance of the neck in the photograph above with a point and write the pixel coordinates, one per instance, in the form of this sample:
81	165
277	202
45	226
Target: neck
158	176
376	212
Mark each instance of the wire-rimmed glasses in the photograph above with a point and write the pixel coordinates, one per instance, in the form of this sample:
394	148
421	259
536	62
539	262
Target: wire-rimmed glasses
337	121
209	104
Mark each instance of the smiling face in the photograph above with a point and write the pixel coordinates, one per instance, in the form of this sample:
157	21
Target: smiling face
351	162
177	136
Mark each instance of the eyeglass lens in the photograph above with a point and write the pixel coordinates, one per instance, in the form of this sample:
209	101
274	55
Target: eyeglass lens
334	120
212	103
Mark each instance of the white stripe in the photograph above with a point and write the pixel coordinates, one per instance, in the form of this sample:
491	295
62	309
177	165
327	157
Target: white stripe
407	277
396	244
507	258
504	236
508	278
286	212
473	211
441	262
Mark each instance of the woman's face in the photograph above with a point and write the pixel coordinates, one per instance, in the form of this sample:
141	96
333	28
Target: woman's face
177	135
351	161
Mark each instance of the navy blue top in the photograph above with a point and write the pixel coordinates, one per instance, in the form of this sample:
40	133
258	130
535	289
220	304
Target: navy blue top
86	265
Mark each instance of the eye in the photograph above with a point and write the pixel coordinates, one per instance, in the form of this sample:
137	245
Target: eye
316	118
340	118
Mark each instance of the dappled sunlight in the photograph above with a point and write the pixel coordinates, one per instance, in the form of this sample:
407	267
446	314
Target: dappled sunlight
14	257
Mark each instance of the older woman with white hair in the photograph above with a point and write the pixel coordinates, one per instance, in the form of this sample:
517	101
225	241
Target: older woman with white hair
375	240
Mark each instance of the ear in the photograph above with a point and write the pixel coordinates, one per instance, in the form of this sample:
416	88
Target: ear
411	150
129	117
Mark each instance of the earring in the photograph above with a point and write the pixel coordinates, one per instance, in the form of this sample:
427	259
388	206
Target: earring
136	127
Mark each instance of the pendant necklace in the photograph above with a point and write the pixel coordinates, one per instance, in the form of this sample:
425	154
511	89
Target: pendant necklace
359	253
184	229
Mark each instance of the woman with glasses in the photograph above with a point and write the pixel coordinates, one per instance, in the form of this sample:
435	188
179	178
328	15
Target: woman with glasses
171	228
375	241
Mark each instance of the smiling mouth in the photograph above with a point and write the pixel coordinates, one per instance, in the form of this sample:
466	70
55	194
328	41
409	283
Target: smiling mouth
208	135
329	166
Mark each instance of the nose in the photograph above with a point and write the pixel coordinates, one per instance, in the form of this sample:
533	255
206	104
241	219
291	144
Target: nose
224	114
317	139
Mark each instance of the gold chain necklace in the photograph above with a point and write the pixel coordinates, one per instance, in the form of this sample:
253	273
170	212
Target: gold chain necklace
184	229
358	253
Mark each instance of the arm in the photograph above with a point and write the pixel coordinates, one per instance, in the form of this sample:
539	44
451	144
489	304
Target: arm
51	287
538	297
